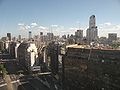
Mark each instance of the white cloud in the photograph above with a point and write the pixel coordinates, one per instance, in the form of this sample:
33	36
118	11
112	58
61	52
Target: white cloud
65	31
57	29
24	27
33	24
118	27
107	23
54	25
20	24
27	27
106	28
72	28
42	28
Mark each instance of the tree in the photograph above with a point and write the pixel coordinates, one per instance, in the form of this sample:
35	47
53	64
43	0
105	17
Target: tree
3	71
115	45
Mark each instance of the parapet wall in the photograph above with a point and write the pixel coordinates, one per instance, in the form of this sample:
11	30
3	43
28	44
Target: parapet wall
92	69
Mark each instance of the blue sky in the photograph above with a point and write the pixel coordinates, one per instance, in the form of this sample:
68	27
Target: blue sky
60	15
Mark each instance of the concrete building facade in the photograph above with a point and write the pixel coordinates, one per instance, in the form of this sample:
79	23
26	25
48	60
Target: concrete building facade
94	72
112	36
12	49
1	45
50	36
9	36
28	56
79	34
92	31
30	35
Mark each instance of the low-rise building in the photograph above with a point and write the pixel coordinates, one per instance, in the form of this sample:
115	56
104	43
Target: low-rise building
12	49
1	45
16	47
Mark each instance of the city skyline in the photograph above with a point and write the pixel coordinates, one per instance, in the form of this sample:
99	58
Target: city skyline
60	17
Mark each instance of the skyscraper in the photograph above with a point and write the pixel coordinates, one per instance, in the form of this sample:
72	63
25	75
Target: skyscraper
112	37
41	33
92	31
79	34
92	21
9	36
30	34
41	36
19	38
50	36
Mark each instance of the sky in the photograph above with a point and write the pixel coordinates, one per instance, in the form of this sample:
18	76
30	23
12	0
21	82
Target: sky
58	16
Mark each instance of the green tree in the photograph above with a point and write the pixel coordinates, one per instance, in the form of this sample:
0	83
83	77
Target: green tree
3	70
115	45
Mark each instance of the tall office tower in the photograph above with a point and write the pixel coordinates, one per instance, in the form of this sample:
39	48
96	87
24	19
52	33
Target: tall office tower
50	36
112	36
30	34
92	21
19	37
9	36
41	36
41	33
92	31
14	39
79	34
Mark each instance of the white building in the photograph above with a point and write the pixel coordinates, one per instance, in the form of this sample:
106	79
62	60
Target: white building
16	47
7	45
28	56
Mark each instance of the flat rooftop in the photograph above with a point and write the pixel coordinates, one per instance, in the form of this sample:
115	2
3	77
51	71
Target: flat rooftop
88	47
77	46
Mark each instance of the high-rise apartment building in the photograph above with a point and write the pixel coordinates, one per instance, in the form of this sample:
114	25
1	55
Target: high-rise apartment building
41	37
19	38
92	31
112	36
50	36
41	33
30	34
92	21
79	34
9	36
